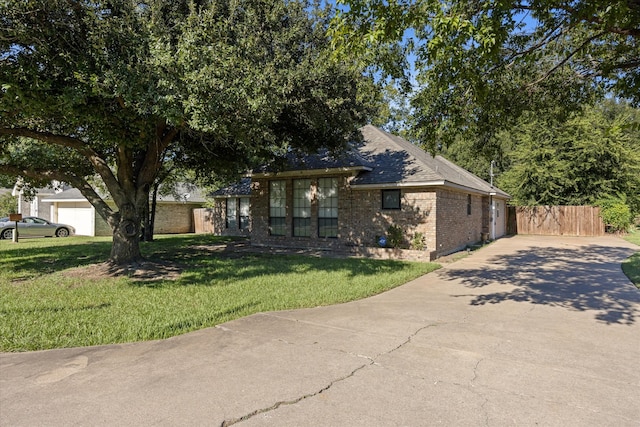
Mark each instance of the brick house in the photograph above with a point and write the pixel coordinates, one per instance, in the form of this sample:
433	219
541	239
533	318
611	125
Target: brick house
350	201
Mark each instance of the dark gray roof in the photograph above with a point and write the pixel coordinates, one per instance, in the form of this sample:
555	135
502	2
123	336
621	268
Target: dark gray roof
240	188
294	161
399	162
382	160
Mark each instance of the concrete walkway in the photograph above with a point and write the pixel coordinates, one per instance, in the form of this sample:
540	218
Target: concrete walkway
527	331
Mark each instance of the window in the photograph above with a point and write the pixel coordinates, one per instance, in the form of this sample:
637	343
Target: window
328	207
468	204
277	208
390	199
302	207
232	222
244	213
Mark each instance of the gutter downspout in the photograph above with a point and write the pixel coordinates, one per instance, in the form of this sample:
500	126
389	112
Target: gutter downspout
492	212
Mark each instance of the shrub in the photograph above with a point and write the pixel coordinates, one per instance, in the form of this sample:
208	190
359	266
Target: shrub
394	236
8	204
417	243
616	214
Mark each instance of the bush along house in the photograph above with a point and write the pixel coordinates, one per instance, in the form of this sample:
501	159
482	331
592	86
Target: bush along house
384	191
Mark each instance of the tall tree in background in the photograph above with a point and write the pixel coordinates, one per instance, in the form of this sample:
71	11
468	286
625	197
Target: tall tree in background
480	65
580	161
107	90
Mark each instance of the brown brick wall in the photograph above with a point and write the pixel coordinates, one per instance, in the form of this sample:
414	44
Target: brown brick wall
368	220
214	220
456	229
361	219
171	218
260	217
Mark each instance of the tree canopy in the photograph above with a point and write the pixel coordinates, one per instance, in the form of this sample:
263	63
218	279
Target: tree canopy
479	65
110	90
588	158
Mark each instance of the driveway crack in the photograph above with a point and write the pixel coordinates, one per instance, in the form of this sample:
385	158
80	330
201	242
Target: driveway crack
276	405
372	361
407	341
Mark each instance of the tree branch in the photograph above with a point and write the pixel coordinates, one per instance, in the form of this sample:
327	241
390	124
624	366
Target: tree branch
155	150
103	209
551	36
566	59
99	164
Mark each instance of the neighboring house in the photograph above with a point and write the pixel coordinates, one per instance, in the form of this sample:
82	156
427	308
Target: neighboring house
172	215
321	201
37	206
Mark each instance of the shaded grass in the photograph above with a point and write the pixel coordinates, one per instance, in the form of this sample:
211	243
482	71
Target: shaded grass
631	266
42	308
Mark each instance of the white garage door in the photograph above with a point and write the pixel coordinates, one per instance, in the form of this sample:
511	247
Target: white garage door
79	215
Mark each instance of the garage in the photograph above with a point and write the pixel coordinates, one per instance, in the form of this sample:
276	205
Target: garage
79	215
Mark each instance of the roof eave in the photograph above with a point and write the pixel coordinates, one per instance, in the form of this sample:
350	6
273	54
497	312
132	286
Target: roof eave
311	172
229	196
64	200
421	184
383	185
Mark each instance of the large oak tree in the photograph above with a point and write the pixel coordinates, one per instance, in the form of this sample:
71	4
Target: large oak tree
105	91
480	64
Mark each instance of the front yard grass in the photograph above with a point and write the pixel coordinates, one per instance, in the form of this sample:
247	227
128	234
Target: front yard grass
631	266
44	307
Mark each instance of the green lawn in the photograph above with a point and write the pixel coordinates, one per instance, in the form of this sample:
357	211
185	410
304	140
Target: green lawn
631	266
42	307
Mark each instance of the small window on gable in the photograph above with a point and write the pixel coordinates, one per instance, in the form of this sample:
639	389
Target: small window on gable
468	204
390	199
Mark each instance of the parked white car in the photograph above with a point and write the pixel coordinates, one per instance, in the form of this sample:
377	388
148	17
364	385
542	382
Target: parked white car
32	226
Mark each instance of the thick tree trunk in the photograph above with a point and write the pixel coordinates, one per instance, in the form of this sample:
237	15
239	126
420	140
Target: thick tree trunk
126	238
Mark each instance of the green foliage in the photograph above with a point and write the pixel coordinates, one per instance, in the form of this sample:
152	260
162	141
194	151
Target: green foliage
395	236
590	156
43	306
631	267
479	65
417	241
113	90
615	213
8	204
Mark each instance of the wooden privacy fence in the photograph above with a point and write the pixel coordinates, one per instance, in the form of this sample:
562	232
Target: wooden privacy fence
202	220
556	220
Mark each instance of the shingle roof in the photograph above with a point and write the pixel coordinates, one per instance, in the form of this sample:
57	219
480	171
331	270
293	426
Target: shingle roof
349	159
382	160
240	188
399	162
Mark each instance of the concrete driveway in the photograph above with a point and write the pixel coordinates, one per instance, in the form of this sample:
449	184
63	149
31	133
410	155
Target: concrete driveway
528	331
